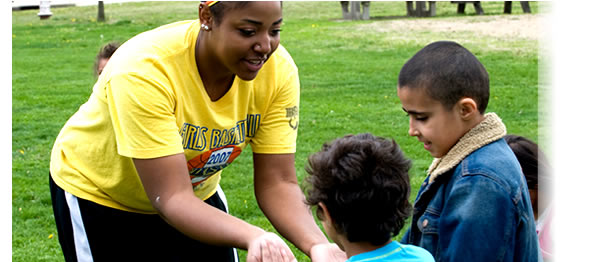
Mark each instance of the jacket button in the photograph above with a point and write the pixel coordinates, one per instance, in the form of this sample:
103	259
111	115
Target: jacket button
425	223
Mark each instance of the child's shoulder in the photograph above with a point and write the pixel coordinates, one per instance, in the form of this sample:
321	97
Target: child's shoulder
395	251
415	253
492	154
494	160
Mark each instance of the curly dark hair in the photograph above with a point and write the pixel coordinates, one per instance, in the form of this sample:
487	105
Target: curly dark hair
363	181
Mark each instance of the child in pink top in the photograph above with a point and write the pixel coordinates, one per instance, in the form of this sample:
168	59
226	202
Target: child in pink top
536	168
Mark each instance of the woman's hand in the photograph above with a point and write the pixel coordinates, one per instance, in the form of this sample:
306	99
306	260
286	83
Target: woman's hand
269	247
327	252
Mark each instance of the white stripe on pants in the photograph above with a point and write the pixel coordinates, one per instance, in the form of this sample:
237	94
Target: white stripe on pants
223	198
78	229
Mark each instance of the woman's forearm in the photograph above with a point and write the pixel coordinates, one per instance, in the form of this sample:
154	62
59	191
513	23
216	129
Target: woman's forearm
284	206
205	223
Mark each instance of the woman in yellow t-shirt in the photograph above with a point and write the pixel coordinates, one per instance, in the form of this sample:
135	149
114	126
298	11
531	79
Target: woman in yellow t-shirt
134	173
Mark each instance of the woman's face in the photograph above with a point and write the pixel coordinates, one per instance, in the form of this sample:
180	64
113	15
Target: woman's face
246	37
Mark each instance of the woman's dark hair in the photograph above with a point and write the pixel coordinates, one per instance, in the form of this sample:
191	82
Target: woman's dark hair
364	183
219	9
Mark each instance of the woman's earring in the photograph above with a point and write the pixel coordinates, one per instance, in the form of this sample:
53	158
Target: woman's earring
205	27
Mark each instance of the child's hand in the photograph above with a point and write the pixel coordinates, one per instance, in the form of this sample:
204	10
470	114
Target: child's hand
269	247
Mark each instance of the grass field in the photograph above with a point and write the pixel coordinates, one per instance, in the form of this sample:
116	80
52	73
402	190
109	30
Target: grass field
348	72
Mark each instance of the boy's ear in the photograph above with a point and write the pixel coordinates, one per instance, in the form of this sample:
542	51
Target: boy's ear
324	213
467	108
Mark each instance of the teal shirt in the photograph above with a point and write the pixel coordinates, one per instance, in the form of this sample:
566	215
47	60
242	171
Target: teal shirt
395	251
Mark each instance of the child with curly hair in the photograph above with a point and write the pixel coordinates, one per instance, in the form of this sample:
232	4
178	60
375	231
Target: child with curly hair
360	187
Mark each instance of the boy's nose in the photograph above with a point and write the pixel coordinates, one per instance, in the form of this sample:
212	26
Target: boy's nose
412	131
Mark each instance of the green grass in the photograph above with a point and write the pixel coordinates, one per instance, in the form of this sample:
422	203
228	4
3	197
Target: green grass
348	72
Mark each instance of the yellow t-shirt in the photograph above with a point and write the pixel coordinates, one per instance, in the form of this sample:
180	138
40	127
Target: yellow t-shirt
150	102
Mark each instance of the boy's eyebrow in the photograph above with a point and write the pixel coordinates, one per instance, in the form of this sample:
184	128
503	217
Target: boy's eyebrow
261	23
411	111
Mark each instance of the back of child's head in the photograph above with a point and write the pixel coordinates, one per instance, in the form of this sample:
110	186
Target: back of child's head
105	52
448	72
531	159
364	183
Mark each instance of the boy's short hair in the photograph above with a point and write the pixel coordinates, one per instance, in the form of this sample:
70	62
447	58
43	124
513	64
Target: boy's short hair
448	72
364	183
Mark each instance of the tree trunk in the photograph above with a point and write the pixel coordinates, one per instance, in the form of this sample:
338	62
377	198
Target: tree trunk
355	10
101	17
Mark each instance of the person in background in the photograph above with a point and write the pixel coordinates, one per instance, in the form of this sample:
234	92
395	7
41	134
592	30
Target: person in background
135	172
536	168
103	56
360	187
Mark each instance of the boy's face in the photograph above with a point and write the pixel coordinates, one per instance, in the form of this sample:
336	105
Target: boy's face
324	217
439	129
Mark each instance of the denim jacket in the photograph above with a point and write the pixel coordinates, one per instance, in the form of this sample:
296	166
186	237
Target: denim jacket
475	205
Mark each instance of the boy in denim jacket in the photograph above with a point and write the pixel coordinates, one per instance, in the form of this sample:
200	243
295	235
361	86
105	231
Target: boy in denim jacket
474	205
361	187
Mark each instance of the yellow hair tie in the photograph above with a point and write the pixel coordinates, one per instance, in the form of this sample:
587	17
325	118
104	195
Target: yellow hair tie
210	3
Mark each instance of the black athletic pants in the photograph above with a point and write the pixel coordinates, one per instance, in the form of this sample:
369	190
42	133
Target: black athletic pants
91	232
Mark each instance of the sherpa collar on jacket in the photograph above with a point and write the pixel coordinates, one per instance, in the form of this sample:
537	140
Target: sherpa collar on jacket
489	130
